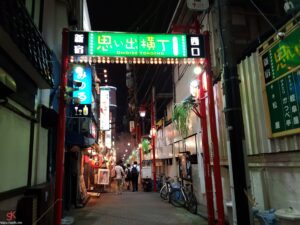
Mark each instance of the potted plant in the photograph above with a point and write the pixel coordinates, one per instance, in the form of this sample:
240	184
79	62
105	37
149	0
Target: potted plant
145	146
181	112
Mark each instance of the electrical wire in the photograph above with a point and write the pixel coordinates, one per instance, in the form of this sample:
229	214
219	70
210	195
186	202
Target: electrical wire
155	73
263	15
141	18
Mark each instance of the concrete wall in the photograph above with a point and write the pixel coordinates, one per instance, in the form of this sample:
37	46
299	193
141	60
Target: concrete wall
15	137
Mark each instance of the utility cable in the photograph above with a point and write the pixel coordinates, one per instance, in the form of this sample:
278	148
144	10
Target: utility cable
263	15
141	18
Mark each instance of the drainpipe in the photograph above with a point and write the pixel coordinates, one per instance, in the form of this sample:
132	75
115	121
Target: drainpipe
213	131
59	172
207	172
234	118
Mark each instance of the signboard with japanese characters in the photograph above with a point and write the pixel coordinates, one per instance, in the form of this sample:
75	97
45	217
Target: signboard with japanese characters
195	46
78	43
104	108
137	45
82	84
281	69
117	44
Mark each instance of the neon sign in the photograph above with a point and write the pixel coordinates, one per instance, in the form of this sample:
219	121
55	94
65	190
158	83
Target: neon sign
83	76
133	45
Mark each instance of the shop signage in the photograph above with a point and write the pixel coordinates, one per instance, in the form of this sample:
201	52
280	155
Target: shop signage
104	108
117	44
108	139
78	43
195	46
82	84
131	126
281	69
93	129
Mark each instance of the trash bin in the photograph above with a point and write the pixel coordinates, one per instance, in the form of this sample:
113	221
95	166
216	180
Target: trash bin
266	217
147	184
229	212
288	216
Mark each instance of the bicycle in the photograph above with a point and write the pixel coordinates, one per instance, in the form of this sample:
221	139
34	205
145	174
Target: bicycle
165	189
183	196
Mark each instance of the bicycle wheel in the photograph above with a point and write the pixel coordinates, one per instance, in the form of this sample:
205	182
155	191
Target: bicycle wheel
192	203
176	198
164	192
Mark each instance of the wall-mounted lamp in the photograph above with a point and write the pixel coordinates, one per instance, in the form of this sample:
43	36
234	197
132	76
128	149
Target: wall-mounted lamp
194	88
197	70
153	132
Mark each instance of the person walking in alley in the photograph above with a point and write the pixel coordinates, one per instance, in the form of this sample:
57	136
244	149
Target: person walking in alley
134	176
119	177
128	177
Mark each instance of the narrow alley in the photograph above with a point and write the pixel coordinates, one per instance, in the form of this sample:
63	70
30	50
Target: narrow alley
196	101
132	208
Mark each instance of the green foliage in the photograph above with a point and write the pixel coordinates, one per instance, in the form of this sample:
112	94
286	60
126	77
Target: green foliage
145	146
180	117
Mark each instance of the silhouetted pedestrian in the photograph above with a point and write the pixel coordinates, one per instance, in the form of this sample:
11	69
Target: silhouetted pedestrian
135	176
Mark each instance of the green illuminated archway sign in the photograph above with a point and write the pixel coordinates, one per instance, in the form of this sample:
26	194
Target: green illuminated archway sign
133	45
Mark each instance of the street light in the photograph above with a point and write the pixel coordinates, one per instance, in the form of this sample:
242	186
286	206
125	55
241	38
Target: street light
142	111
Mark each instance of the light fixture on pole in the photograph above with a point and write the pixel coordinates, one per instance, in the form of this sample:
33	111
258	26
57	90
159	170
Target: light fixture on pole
142	111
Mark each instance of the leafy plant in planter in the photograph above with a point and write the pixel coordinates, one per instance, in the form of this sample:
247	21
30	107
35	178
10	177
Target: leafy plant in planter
181	112
145	146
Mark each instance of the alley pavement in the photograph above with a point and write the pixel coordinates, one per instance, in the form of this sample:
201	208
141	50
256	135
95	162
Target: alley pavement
132	208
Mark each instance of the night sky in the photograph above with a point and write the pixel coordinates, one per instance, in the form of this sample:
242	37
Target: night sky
147	16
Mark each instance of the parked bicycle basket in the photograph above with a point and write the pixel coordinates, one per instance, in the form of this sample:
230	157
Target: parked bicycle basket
175	185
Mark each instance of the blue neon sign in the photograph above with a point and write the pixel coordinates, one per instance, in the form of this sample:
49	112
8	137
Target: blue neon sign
84	75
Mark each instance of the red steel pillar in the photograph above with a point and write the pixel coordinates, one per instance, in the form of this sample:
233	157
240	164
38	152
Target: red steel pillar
59	172
213	131
205	146
138	135
153	137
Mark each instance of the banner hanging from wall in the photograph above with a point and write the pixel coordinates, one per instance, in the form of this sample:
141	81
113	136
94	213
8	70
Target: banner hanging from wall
104	108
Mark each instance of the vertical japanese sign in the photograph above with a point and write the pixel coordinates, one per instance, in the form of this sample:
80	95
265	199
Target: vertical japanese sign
104	109
281	68
82	81
108	139
78	43
195	46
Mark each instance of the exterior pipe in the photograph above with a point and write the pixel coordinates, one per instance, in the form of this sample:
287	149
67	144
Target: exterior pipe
207	172
213	131
234	119
61	130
